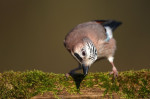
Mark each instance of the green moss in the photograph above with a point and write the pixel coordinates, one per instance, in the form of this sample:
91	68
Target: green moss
129	84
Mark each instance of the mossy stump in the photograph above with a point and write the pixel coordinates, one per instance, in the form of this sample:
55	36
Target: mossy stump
39	85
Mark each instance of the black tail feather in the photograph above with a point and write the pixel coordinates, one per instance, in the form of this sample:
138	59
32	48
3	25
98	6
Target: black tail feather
110	23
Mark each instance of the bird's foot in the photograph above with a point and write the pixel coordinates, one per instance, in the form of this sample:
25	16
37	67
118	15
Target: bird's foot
114	72
69	74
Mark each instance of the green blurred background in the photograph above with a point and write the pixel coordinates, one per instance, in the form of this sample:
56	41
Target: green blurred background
32	33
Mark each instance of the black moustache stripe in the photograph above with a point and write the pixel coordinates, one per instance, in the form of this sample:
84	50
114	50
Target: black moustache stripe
78	57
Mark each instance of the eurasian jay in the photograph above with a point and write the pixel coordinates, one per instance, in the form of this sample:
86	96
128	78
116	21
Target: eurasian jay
91	41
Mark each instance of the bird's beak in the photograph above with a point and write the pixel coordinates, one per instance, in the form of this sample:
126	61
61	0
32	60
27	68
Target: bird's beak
85	69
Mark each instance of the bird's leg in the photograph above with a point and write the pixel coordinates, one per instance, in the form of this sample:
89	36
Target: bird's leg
73	71
114	69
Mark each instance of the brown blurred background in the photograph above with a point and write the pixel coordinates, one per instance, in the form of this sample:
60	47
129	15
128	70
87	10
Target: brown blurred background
32	33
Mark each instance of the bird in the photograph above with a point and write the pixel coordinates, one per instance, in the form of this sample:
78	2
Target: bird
91	41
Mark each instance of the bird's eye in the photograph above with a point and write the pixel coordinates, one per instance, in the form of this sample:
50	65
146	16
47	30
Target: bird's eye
83	53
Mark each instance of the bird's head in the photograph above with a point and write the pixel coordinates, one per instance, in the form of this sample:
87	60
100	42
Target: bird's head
85	53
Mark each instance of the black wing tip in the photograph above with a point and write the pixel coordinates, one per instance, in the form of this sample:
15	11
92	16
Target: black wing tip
113	24
100	21
107	21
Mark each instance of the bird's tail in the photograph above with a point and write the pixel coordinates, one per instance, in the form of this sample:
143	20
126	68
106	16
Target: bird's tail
109	23
110	26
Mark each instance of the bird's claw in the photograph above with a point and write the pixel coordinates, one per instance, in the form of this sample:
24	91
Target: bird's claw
67	75
115	73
